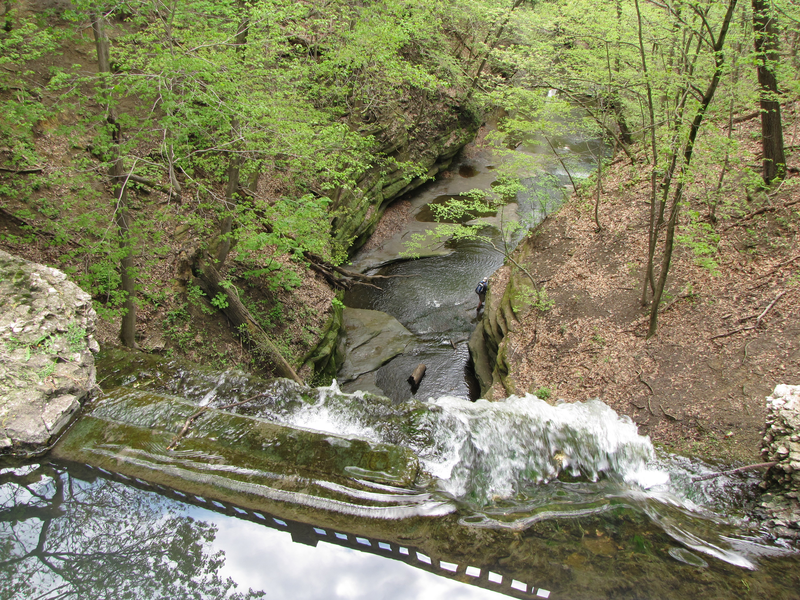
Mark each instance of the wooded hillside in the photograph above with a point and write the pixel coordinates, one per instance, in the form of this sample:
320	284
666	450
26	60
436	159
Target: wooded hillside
188	162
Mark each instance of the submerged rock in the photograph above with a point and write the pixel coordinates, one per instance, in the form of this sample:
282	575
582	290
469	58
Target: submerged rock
142	433
46	353
373	339
224	435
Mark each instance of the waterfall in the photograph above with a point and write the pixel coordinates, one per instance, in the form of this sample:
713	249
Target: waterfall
486	450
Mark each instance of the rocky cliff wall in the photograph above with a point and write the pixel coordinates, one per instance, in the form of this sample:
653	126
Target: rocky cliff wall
46	353
488	345
430	141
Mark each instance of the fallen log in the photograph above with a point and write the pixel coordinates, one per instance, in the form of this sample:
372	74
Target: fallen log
417	375
210	281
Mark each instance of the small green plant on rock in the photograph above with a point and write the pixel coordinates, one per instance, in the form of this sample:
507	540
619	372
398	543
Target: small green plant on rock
76	335
537	298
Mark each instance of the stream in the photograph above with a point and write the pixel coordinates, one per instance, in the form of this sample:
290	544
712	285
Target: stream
335	493
434	297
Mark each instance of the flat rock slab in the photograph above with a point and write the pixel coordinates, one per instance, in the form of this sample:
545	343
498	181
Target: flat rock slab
46	353
373	339
391	249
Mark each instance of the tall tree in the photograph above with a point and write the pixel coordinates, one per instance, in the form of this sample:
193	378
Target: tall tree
766	45
717	43
119	182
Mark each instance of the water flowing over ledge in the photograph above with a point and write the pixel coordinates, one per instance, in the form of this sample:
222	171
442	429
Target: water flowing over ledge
495	465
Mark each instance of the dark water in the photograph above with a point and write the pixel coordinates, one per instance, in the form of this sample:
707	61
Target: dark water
433	298
82	533
79	533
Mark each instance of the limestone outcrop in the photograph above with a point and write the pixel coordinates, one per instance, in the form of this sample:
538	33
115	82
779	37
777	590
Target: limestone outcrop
488	344
782	445
46	353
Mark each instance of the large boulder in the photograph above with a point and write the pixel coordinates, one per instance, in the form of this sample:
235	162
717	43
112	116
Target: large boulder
46	353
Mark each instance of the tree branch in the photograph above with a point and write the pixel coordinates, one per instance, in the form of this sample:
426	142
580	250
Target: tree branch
733	471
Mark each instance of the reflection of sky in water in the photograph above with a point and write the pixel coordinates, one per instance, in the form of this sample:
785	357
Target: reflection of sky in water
84	536
265	559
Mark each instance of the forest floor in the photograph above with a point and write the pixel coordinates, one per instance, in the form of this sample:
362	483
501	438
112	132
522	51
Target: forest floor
729	325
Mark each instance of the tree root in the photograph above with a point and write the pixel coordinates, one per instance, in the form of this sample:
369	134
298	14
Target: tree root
673	417
667	306
778	268
348	279
758	320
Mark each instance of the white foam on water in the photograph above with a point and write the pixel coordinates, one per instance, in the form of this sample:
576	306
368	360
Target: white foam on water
497	446
508	451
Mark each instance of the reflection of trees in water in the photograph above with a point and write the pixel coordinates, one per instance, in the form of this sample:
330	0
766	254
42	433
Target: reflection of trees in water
62	537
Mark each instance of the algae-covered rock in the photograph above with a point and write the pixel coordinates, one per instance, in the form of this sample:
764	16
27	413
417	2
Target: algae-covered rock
246	460
486	344
425	153
46	353
138	428
327	356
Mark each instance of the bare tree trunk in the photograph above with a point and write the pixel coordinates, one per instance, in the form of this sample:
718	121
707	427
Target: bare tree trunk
766	46
118	177
708	96
597	193
575	188
222	245
653	226
127	270
224	240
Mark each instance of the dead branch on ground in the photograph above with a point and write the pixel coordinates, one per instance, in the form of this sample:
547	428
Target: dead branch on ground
758	320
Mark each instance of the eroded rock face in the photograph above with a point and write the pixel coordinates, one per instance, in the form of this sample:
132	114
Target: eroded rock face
782	445
46	353
430	145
